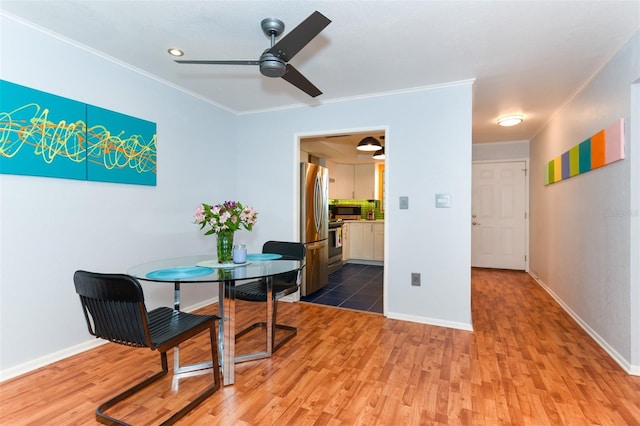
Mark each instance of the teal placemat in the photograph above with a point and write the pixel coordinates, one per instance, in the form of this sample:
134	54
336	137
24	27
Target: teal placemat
180	272
263	256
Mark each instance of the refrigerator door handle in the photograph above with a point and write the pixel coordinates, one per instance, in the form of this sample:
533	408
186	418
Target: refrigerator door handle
318	203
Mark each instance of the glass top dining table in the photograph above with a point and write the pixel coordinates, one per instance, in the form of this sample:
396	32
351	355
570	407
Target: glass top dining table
205	269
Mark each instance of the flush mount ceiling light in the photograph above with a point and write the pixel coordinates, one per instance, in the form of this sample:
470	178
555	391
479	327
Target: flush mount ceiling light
369	144
510	120
379	154
175	52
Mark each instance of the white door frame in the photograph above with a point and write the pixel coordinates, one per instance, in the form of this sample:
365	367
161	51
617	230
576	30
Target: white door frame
634	213
526	199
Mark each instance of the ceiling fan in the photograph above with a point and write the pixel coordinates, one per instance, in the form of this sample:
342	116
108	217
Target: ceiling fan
274	61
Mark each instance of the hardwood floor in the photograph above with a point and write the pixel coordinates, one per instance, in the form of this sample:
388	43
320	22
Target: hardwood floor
527	362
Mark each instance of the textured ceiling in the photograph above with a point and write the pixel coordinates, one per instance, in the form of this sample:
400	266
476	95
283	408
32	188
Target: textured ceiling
528	57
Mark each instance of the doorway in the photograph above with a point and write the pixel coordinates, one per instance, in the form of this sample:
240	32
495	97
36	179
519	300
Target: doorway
359	283
499	215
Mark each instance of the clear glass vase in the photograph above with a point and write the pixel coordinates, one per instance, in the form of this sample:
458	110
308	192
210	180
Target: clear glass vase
225	247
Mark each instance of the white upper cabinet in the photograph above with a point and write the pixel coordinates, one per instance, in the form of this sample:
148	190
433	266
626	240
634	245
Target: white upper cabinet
365	187
351	182
343	182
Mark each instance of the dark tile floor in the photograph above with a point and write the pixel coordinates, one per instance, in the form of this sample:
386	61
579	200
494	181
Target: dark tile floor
353	286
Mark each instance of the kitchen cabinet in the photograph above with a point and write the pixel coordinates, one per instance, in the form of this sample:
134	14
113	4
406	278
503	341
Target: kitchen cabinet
345	242
342	186
364	182
352	181
366	241
378	241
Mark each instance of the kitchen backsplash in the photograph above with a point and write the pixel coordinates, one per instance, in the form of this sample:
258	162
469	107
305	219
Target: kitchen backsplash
366	206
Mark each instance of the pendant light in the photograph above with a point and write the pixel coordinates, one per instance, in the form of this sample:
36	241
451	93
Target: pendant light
379	154
369	144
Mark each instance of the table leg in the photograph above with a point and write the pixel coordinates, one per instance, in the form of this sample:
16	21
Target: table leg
176	306
226	329
226	333
270	325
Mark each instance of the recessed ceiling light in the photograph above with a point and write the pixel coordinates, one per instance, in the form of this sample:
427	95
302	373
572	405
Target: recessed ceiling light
175	52
510	120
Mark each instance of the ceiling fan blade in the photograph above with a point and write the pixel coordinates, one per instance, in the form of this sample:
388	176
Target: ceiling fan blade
205	62
294	77
298	38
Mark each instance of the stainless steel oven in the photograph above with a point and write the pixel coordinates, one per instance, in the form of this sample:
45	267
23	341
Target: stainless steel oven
335	247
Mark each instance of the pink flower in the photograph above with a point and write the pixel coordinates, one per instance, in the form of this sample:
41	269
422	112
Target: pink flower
199	215
230	215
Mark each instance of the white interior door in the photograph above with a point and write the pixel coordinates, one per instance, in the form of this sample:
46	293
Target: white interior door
498	216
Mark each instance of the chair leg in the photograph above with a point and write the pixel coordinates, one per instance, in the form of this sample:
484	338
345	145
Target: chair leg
106	419
213	332
291	331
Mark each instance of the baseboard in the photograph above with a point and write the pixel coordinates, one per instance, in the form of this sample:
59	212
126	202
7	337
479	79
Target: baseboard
430	321
200	305
26	367
622	362
366	262
34	364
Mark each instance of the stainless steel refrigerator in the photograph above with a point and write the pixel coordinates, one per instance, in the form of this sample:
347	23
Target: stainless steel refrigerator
314	223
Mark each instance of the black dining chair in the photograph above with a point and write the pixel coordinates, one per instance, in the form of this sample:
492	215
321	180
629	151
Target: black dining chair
283	285
114	308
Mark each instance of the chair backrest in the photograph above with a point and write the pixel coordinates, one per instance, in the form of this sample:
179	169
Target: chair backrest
113	306
289	251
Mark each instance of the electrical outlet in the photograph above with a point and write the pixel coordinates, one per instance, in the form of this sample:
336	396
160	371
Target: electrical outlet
415	279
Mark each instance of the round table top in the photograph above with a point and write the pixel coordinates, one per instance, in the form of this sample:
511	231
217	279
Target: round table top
204	268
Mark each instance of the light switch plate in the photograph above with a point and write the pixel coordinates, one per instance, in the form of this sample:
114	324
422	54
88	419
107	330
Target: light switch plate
404	203
443	201
415	279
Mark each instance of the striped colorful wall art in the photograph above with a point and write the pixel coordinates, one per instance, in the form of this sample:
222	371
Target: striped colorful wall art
604	147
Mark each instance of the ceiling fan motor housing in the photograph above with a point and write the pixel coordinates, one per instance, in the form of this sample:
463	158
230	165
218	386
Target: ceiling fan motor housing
272	27
271	65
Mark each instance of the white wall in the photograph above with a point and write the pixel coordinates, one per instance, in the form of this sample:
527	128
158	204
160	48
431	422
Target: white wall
634	255
580	228
428	151
51	227
500	151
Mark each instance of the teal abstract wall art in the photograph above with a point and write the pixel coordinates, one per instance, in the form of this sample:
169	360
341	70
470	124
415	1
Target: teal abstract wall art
47	135
41	134
120	148
604	147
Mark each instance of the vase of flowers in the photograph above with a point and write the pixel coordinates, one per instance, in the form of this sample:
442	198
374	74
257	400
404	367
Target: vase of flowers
223	220
225	246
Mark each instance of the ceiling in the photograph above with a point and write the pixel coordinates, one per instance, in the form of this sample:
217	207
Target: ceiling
526	57
340	148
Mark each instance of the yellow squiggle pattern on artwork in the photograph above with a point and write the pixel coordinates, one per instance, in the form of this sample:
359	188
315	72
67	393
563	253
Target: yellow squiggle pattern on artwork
47	138
50	140
116	152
